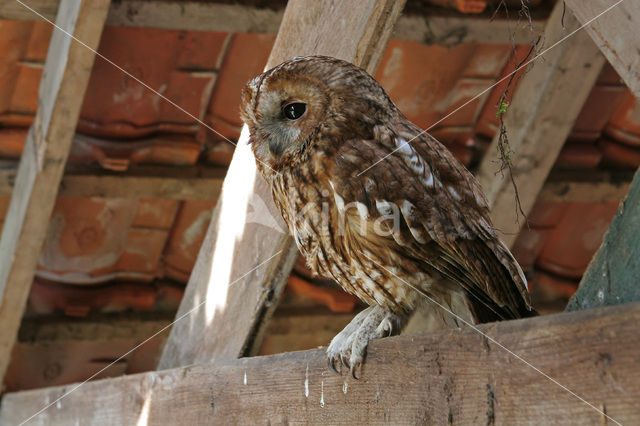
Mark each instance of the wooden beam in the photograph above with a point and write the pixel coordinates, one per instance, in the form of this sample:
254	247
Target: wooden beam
247	18
242	266
566	192
446	377
55	350
137	326
142	187
612	276
64	81
541	114
616	33
205	183
603	189
454	30
12	10
168	182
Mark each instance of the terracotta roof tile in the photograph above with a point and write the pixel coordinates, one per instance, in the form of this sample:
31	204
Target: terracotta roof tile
577	236
170	62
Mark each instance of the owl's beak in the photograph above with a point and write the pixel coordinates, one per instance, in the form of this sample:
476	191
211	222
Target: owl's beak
276	147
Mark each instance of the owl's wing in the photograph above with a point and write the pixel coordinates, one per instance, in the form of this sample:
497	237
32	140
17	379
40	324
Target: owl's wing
444	214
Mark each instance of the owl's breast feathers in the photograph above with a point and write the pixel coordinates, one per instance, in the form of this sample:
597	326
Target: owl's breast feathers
419	215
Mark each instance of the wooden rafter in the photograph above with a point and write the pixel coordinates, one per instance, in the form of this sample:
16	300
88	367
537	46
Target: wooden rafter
65	79
205	183
242	266
210	16
446	377
612	275
580	191
58	350
168	182
616	33
540	116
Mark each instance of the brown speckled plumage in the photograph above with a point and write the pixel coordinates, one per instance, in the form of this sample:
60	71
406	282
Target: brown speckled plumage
443	242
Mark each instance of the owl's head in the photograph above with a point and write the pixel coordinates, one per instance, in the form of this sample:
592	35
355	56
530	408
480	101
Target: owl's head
312	102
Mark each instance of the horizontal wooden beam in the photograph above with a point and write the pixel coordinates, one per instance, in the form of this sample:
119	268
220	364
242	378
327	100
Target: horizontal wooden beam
97	327
452	376
173	183
205	183
209	16
54	350
162	187
454	30
581	191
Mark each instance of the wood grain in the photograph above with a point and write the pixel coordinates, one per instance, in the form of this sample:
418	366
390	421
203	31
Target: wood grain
167	182
449	377
540	116
205	183
242	266
616	33
246	18
612	276
576	191
65	77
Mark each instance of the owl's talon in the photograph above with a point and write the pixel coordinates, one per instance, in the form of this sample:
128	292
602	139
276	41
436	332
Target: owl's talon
344	361
350	345
332	365
356	366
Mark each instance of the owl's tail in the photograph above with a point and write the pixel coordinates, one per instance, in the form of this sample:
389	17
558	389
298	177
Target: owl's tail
481	314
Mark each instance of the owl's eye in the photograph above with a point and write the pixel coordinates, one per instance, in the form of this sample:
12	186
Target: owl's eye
294	110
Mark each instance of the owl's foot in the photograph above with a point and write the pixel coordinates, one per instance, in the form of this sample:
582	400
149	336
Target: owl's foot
349	347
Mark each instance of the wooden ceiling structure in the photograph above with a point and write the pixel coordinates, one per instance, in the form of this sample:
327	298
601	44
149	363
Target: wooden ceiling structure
430	378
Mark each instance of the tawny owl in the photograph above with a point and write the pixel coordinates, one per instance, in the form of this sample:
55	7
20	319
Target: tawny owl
416	222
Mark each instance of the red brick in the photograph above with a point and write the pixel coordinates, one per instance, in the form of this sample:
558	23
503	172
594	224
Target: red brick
246	58
38	42
12	142
595	113
572	244
619	155
428	82
624	125
119	155
546	215
94	240
578	156
155	213
19	82
528	246
170	62
189	230
556	286
487	123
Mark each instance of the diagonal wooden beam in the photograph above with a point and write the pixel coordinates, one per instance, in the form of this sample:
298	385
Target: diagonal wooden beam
242	266
612	276
446	377
64	81
540	116
616	33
